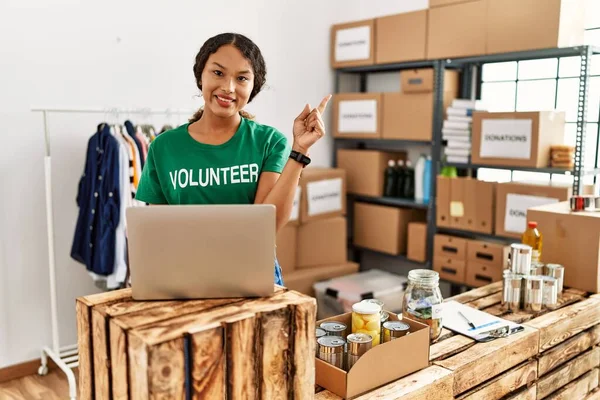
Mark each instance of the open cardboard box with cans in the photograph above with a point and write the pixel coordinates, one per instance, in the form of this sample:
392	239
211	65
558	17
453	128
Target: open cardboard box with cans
380	365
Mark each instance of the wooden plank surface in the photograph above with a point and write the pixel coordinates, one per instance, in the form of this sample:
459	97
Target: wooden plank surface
478	293
525	394
595	395
560	325
558	355
85	386
578	389
208	364
507	383
432	383
118	362
106	297
242	371
487	301
484	361
449	347
569	372
102	388
138	373
304	346
274	353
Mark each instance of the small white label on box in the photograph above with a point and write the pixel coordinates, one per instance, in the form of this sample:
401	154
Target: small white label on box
324	196
353	44
506	138
357	116
515	219
296	205
457	209
437	311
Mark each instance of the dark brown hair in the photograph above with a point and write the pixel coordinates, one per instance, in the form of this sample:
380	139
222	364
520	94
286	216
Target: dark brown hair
247	47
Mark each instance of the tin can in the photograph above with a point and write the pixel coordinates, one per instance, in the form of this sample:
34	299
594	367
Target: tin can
394	330
318	334
534	293
550	291
515	292
334	328
385	316
358	344
537	269
556	271
331	349
520	258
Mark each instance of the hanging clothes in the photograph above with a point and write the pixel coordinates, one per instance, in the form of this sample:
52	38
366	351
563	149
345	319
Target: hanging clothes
131	132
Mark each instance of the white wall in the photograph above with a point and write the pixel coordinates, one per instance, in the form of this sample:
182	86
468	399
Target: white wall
127	54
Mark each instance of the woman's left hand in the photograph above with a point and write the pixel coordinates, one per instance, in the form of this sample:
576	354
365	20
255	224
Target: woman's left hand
309	126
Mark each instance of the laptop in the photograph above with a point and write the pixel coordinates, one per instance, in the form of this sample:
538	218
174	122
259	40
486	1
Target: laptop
201	251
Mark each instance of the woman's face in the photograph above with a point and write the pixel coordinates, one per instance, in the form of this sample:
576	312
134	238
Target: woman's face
227	81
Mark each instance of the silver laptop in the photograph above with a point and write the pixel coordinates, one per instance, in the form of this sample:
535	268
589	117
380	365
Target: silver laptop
201	251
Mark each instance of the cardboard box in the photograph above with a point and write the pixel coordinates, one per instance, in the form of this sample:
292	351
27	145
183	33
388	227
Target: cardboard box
286	247
382	228
401	37
440	3
302	280
450	269
442	202
571	239
516	139
352	44
481	274
457	30
479	205
382	364
417	241
365	169
513	199
488	253
324	193
421	81
322	242
357	115
458	218
446	246
518	25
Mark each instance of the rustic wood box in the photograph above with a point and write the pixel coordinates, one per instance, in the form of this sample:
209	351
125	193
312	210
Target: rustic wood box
220	348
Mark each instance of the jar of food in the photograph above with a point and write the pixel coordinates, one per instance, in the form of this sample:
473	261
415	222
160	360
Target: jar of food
366	318
423	300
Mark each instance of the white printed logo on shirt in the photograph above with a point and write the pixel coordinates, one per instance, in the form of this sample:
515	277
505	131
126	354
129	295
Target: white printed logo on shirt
236	174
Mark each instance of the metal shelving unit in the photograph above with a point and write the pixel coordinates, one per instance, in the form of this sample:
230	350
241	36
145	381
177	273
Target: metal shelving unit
470	67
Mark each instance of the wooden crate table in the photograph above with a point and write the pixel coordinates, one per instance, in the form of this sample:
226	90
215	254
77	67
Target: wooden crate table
556	357
255	348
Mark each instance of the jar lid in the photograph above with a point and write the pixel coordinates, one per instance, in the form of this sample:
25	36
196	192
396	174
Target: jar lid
364	307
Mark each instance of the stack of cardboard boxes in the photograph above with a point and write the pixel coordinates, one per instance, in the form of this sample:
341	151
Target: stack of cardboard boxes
313	246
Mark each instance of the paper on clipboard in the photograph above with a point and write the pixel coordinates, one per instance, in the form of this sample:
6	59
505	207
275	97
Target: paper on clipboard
484	322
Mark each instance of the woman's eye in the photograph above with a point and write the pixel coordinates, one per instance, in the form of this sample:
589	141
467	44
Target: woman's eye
217	72
243	78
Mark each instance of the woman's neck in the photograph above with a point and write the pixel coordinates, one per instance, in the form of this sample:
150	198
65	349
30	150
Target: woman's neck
211	129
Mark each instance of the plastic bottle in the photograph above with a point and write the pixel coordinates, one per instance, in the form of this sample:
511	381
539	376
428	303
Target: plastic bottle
409	181
533	237
427	181
419	178
390	186
400	173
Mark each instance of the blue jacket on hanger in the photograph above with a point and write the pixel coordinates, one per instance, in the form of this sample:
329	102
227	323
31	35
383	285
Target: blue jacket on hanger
131	131
99	201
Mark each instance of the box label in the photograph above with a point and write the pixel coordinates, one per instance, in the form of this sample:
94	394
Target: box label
324	196
457	209
515	218
506	138
353	44
357	116
296	205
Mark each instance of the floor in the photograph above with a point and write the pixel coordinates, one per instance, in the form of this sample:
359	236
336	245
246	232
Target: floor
53	386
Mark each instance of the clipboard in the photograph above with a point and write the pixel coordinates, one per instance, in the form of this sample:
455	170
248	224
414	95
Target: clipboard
476	324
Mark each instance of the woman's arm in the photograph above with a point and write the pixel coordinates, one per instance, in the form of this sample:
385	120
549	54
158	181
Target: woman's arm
279	189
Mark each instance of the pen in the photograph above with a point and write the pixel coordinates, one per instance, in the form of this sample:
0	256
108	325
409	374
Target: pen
472	325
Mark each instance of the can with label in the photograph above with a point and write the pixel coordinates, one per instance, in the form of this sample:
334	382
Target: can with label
550	292
520	258
534	293
394	330
358	344
331	349
318	334
556	271
537	269
334	328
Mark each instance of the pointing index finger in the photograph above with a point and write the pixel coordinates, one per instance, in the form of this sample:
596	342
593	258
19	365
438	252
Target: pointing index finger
323	104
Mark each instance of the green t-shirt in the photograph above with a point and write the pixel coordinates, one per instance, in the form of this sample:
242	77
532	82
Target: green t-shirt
181	170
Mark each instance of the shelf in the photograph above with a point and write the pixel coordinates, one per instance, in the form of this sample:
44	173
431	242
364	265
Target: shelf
475	235
386	142
512	168
390	201
524	55
388	67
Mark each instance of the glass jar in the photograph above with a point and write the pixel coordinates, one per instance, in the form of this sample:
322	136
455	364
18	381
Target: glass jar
366	318
423	299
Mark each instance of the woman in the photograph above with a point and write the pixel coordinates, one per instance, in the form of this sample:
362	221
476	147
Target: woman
222	156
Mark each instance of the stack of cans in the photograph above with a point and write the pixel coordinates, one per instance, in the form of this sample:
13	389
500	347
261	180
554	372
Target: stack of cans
530	287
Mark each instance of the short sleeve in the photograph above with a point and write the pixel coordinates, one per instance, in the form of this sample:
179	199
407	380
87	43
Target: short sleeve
149	189
278	153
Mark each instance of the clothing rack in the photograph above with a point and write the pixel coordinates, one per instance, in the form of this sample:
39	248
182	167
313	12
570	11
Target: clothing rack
67	357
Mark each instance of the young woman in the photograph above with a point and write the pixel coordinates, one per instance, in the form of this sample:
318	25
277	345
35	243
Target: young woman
222	156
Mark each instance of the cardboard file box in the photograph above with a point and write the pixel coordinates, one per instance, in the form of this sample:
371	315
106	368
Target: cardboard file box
421	81
417	241
357	115
488	253
401	37
458	218
450	247
442	202
480	201
322	242
481	274
450	269
382	364
365	169
323	193
516	139
352	44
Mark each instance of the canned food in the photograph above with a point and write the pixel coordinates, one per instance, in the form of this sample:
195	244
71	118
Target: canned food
550	291
334	328
394	330
534	293
520	258
358	344
318	334
385	316
556	271
331	350
537	269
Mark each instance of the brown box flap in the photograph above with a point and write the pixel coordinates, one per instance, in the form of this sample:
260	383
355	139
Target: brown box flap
322	242
401	37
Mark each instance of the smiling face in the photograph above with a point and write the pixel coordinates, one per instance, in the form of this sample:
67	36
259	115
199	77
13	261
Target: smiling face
227	82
